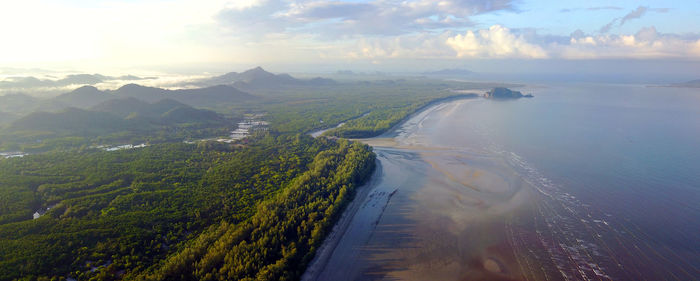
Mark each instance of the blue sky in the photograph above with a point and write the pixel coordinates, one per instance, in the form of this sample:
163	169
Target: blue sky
589	16
97	35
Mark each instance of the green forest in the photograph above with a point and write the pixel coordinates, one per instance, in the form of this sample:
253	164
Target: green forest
207	211
185	207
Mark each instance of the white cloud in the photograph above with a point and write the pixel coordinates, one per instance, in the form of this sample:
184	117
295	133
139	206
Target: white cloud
499	42
495	42
243	4
647	43
637	13
341	19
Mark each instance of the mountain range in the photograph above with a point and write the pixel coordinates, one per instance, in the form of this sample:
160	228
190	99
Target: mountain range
28	82
215	92
449	72
112	116
259	78
88	96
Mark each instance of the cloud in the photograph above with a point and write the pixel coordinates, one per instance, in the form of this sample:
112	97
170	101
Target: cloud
32	84
424	45
495	42
646	43
634	14
498	42
606	28
591	9
340	19
243	4
604	8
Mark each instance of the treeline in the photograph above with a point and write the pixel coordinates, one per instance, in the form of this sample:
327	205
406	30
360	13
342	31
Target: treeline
380	121
130	214
282	236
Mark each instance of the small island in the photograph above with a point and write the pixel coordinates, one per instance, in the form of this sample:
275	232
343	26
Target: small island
505	93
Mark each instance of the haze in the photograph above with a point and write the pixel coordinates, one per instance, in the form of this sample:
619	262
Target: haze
187	36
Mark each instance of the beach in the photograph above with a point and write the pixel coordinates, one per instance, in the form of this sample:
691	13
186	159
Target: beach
582	182
429	212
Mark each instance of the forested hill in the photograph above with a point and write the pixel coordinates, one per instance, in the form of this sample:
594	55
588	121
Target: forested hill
209	211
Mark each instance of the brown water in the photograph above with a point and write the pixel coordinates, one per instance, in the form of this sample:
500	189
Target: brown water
590	182
433	213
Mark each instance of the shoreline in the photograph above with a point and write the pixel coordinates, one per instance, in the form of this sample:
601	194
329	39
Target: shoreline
323	255
425	107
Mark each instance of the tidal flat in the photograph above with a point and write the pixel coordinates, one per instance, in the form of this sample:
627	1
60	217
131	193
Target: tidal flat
537	189
430	212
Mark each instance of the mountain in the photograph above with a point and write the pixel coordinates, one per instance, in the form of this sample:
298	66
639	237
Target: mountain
87	97
6	118
123	107
259	78
449	72
72	121
345	72
29	82
187	114
83	97
212	96
144	93
18	103
114	115
320	81
166	111
202	97
258	73
504	93
688	84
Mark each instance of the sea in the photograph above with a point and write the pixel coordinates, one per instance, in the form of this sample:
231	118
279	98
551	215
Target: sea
616	167
583	181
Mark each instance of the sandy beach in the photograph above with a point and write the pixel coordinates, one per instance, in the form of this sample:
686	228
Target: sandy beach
430	212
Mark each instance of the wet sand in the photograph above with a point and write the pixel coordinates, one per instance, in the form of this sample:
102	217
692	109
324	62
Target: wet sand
455	200
430	212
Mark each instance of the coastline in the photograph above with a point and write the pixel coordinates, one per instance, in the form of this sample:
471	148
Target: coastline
323	254
470	95
419	110
369	198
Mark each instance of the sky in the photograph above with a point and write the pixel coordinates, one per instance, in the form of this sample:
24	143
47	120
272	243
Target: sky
122	35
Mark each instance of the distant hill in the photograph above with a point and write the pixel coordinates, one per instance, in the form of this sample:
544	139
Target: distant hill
449	72
72	121
212	96
83	97
17	103
87	96
259	78
504	93
345	72
688	84
6	118
125	114
187	114
166	111
124	107
149	94
28	82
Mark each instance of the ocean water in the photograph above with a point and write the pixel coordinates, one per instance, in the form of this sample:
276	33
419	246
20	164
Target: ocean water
617	170
581	182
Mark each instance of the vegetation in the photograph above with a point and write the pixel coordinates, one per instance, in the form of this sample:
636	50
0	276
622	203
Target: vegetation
114	121
304	109
176	211
253	210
